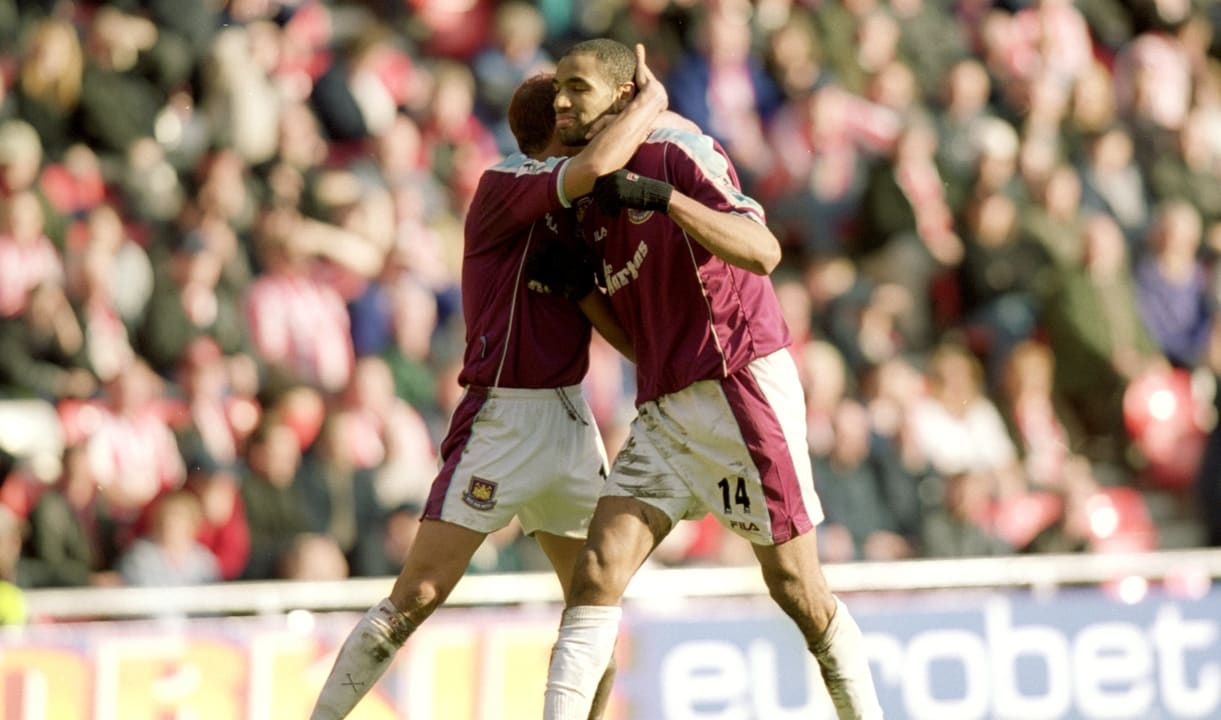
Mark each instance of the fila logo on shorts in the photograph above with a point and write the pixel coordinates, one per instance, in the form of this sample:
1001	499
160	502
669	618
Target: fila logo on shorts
481	494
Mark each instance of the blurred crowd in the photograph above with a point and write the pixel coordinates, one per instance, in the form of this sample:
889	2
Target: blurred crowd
231	236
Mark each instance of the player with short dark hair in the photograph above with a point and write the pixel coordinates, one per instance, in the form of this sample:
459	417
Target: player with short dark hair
522	442
721	418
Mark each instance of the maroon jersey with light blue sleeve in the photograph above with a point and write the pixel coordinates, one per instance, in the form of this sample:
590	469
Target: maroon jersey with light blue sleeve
518	335
690	315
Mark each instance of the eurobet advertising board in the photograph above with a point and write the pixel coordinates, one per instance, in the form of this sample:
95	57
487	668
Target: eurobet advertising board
1077	654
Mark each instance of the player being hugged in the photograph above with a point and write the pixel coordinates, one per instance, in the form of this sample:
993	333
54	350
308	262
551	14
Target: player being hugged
721	417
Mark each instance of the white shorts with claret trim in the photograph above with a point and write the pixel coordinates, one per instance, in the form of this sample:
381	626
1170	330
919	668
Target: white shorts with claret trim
734	447
536	454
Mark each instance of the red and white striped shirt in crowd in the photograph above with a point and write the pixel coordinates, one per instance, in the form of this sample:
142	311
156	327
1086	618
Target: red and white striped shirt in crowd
302	326
134	458
1052	38
23	266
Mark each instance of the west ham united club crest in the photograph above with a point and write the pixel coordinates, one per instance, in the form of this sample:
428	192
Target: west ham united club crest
481	494
638	217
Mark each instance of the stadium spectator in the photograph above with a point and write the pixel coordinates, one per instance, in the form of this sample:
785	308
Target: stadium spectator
1172	286
959	428
852	479
1004	280
190	302
168	553
722	86
132	451
1111	182
1033	416
223	528
386	436
339	495
960	526
27	256
299	326
71	534
42	350
49	84
275	505
1101	342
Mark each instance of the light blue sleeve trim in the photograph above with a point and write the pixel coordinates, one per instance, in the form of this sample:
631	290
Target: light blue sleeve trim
559	185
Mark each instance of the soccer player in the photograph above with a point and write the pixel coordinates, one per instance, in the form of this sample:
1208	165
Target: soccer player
523	440
721	423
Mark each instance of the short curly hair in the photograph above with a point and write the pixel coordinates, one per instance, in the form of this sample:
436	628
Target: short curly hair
618	61
532	113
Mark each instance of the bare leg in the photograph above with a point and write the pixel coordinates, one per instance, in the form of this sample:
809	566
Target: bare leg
623	532
795	581
562	552
436	563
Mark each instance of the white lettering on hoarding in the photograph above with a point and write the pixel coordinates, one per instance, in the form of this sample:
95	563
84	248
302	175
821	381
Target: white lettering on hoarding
1113	668
705	680
1174	637
1104	669
1040	641
940	648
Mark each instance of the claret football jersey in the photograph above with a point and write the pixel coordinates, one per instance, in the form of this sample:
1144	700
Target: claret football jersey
690	315
518	334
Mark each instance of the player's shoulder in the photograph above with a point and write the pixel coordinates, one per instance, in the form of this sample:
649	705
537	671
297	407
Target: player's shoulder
519	164
698	147
682	137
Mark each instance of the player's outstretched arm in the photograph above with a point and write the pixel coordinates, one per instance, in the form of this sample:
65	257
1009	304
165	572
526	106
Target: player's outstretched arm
615	145
736	239
597	307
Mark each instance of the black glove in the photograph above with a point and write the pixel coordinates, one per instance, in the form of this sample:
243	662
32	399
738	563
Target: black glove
562	267
625	189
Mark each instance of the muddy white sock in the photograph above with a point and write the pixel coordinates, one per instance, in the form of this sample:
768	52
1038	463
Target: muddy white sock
362	660
582	651
845	668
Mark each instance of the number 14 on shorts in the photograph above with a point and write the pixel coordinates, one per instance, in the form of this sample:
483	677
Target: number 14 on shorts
740	497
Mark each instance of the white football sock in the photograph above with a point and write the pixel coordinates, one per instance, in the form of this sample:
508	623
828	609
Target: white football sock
363	659
582	651
845	668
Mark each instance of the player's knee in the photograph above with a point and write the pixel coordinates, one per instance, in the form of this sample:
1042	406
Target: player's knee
805	597
419	599
599	578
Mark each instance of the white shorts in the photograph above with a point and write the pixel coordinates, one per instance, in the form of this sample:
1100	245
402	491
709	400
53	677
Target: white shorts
536	454
734	447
